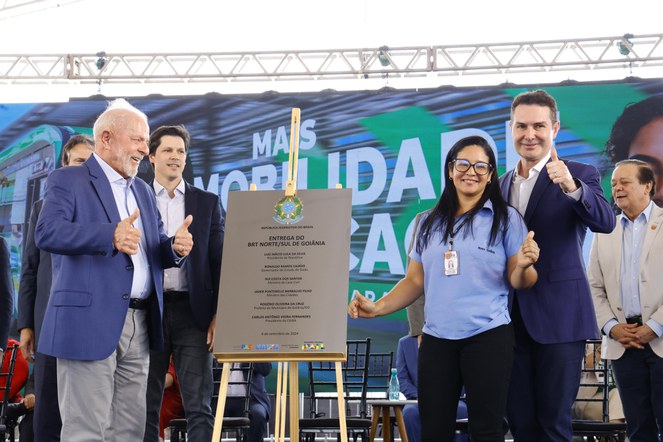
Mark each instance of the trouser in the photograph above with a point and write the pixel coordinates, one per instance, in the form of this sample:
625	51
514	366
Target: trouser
483	364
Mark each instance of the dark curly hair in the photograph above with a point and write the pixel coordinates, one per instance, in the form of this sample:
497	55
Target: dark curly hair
634	117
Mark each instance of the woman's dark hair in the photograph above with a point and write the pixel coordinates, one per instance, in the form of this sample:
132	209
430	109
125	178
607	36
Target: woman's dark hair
443	215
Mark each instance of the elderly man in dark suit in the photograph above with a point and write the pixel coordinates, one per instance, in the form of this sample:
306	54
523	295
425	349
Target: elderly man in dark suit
34	290
190	293
105	309
559	200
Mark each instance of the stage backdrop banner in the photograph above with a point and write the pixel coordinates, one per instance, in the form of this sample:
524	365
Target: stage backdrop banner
284	277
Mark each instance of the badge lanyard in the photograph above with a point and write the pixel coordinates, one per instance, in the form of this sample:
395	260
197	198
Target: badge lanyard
451	256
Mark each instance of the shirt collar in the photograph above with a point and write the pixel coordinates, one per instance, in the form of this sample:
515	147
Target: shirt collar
537	167
158	188
111	174
645	214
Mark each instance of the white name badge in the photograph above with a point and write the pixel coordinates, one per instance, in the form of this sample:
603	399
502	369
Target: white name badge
450	262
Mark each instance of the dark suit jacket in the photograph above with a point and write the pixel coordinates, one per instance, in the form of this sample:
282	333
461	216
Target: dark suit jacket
558	308
6	294
203	265
91	280
258	391
406	366
35	285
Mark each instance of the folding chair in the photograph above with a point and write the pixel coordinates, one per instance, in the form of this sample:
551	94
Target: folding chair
237	425
597	376
6	425
379	373
322	385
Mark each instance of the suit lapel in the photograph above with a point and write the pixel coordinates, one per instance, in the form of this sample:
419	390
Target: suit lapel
103	189
190	201
653	229
542	183
505	185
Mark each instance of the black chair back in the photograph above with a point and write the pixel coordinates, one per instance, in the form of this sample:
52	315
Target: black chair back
6	376
322	387
596	382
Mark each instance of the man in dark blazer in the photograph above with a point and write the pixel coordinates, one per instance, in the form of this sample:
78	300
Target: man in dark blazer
259	405
559	200
6	296
190	293
34	290
109	251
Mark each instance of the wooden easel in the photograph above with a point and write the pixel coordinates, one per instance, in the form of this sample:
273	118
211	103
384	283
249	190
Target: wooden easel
286	368
287	363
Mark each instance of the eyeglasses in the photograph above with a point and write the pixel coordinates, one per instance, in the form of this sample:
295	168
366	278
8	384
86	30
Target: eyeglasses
480	168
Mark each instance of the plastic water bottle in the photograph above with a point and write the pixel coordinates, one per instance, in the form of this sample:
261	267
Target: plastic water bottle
394	387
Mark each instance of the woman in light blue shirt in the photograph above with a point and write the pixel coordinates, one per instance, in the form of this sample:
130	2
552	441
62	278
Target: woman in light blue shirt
471	247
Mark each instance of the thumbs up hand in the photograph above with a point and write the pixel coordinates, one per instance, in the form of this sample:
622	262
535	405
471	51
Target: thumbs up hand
183	242
559	173
529	251
126	237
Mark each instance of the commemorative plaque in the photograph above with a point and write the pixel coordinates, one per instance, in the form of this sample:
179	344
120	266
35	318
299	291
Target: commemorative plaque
284	276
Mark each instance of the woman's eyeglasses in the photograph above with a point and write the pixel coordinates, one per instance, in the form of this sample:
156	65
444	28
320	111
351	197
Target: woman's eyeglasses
480	168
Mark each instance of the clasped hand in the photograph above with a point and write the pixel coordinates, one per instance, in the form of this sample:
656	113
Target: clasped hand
632	335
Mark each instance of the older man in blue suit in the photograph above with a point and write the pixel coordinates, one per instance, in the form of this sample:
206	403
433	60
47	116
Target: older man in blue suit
559	200
109	250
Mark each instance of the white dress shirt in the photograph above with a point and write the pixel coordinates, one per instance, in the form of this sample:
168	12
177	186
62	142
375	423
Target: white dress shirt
125	200
172	216
521	188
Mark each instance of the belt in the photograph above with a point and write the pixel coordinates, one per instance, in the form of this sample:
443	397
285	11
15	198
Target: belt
175	295
634	320
139	303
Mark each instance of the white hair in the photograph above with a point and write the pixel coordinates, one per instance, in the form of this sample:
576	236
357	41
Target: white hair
108	118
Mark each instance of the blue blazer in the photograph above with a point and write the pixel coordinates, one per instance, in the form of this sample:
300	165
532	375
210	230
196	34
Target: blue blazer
406	366
91	280
559	308
35	286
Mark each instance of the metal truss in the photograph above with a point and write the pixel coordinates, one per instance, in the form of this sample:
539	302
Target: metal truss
644	52
15	8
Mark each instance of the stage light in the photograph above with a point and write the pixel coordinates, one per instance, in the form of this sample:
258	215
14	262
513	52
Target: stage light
102	60
383	56
625	44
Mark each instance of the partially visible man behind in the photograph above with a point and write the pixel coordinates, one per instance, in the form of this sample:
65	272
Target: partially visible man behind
190	292
638	133
6	296
33	293
109	250
626	278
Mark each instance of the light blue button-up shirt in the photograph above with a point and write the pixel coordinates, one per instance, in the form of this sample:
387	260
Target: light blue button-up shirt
125	200
633	235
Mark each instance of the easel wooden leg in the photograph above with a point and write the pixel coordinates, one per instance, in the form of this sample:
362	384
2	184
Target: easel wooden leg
277	415
284	397
294	402
221	403
341	403
281	395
